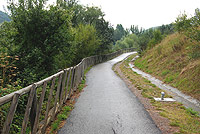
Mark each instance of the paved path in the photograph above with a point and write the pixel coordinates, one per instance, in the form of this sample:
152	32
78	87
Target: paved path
107	106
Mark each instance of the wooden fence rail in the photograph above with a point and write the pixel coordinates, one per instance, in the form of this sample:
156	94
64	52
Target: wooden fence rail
54	91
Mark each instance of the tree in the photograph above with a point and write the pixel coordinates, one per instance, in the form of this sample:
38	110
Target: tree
41	34
130	41
119	32
95	17
86	41
105	33
190	27
157	38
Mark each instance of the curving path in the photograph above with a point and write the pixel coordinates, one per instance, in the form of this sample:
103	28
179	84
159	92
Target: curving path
107	106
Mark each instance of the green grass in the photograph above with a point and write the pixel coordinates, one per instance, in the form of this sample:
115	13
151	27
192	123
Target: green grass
187	120
170	61
169	79
175	124
165	72
60	117
192	112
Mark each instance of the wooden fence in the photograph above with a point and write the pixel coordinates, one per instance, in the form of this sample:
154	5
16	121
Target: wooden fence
54	91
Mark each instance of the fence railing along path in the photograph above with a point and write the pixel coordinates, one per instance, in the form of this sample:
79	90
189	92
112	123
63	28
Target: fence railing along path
46	97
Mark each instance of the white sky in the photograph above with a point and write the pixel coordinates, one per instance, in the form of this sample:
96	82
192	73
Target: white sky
145	13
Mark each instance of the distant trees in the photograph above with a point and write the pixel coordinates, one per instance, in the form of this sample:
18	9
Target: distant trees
130	41
166	29
140	38
157	38
135	30
119	32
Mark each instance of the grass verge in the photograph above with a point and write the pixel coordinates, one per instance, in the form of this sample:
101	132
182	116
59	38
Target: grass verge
170	61
186	121
65	111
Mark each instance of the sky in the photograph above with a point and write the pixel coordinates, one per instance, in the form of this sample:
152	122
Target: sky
144	13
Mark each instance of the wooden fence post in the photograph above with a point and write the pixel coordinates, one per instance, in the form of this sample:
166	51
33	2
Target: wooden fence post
10	115
62	87
57	96
67	86
74	79
28	108
82	70
39	108
71	84
48	104
33	110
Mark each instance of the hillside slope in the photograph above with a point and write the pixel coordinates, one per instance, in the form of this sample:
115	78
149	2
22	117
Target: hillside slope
4	17
170	62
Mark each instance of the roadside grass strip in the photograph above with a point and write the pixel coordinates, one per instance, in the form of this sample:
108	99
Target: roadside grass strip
185	119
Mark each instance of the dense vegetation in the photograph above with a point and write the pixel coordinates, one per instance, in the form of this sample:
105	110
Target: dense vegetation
4	17
41	40
140	38
176	59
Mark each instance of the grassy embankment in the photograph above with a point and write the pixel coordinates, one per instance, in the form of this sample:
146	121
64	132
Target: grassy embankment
170	62
186	121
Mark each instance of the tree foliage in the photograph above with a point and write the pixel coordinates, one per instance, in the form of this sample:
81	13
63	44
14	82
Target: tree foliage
157	38
130	41
86	41
190	27
119	32
40	35
53	38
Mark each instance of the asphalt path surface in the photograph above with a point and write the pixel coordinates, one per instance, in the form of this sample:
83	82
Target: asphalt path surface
107	106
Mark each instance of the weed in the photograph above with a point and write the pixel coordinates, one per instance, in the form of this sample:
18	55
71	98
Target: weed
150	97
144	90
192	112
55	125
180	82
152	101
169	79
165	72
174	124
67	108
177	47
160	109
62	117
139	87
149	71
182	107
159	50
163	114
153	85
194	51
145	80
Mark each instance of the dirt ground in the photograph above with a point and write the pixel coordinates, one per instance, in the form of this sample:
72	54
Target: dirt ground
161	122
